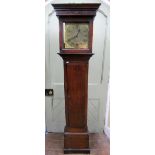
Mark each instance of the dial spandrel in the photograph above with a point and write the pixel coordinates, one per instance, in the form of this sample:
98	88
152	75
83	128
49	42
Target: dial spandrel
76	35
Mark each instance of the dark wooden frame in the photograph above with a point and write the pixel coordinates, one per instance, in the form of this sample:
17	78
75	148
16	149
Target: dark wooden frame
76	62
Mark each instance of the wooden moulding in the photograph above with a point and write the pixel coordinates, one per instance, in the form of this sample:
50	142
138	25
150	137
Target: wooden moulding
76	9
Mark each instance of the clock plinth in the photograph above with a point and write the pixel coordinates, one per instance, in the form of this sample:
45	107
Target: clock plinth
76	142
75	37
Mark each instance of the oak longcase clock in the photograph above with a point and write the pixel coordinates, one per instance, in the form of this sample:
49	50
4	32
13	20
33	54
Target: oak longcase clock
75	39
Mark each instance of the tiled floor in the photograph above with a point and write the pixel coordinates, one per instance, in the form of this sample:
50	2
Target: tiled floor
99	144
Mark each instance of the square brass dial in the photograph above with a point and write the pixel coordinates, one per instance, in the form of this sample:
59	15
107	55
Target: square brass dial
76	35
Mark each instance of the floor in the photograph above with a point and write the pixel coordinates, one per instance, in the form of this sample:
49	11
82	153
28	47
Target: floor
99	144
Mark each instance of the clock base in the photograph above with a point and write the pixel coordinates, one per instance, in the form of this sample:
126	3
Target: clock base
76	142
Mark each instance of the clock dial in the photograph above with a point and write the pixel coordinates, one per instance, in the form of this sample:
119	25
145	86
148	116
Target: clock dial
76	35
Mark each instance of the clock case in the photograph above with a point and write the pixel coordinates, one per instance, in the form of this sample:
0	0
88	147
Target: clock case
76	61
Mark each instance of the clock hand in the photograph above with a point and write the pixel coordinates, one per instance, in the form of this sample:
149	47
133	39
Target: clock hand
78	32
71	38
74	36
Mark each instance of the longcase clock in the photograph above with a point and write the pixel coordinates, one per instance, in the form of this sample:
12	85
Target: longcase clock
75	38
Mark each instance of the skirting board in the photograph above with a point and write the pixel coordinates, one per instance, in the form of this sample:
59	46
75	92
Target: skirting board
107	131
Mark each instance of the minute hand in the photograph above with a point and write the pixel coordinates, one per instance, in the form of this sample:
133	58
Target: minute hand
74	36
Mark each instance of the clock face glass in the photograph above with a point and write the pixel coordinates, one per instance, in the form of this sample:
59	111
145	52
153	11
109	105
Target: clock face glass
76	35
